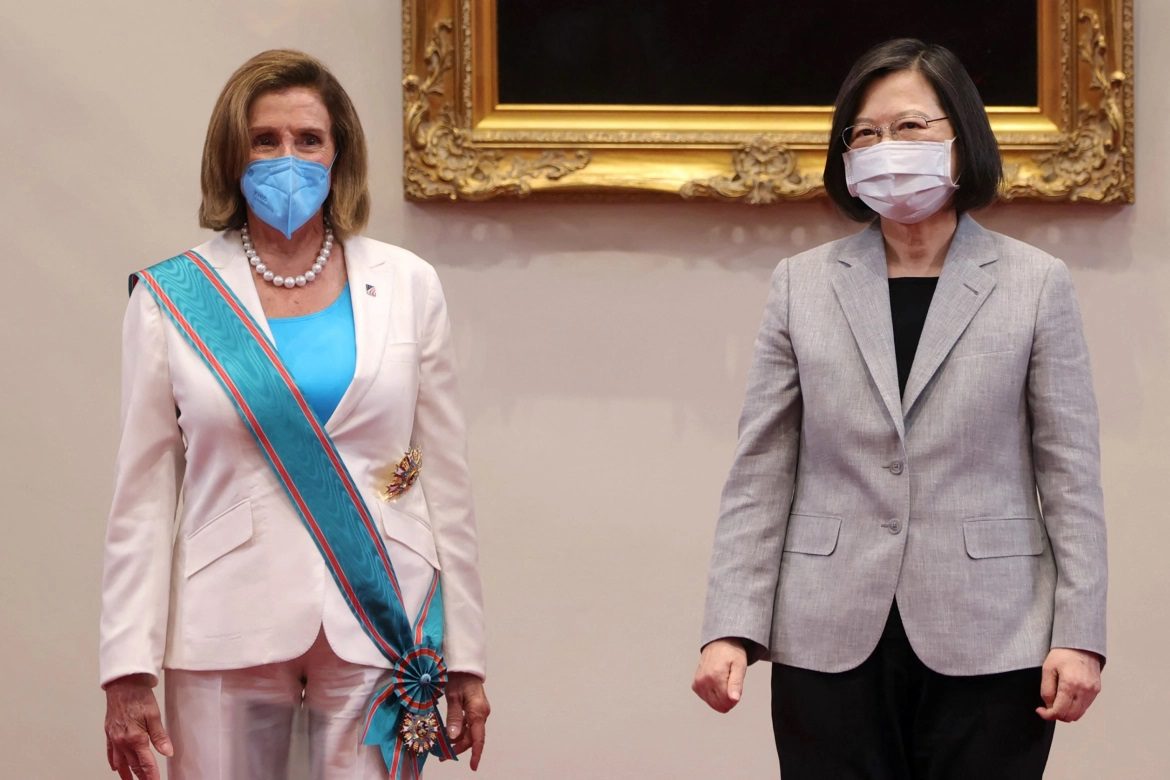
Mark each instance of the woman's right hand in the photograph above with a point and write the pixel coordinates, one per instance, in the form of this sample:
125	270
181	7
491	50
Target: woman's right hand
719	678
133	724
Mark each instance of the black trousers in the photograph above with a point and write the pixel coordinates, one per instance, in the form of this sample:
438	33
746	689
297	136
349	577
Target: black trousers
892	718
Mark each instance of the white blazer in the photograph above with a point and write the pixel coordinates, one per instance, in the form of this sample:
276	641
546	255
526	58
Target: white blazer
207	563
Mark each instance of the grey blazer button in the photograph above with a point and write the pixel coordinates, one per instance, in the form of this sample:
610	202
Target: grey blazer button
893	526
896	467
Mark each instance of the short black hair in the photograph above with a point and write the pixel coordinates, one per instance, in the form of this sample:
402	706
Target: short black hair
980	166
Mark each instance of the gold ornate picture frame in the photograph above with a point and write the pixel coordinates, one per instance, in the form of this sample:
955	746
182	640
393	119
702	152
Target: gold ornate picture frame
462	143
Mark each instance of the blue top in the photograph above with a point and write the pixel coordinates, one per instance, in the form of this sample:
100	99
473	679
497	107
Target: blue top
320	351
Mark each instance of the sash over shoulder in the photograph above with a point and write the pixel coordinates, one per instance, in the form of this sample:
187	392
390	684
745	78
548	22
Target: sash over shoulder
403	718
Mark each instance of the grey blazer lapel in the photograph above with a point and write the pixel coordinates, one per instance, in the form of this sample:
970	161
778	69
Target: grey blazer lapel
862	289
962	288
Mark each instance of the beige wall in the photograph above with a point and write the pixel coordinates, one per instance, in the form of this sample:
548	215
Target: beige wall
604	349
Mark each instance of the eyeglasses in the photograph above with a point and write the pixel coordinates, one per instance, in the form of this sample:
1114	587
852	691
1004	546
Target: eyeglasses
912	127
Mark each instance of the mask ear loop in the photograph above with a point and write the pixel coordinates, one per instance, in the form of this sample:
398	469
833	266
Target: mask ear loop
950	157
327	207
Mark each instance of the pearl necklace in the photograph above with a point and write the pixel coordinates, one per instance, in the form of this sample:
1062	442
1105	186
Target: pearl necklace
287	281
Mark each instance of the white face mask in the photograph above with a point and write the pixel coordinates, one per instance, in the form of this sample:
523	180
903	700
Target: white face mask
904	181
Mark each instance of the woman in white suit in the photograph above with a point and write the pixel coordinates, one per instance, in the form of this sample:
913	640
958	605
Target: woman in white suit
228	567
913	530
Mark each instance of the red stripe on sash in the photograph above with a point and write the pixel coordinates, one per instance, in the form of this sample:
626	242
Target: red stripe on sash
445	751
426	608
262	340
219	370
373	708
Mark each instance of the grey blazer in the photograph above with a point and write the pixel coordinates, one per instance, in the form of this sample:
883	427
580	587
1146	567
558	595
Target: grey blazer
974	499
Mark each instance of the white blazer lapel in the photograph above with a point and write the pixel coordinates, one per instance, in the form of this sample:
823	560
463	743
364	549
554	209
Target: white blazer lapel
370	295
962	288
863	291
226	255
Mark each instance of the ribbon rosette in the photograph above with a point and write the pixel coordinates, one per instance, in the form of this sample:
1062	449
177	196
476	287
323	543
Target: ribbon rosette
404	719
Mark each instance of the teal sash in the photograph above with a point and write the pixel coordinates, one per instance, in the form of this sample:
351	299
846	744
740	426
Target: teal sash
403	717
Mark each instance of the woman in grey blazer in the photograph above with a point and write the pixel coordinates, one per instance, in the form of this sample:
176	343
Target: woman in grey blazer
912	530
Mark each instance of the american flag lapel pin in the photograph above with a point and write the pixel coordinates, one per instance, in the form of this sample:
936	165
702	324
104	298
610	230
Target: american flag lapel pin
371	291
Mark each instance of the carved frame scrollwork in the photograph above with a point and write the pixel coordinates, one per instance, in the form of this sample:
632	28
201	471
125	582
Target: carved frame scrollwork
461	143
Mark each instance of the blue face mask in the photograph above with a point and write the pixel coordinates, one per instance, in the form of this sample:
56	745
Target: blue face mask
285	192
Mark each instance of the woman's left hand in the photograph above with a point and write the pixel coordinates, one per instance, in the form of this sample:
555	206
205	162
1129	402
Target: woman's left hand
467	712
1072	679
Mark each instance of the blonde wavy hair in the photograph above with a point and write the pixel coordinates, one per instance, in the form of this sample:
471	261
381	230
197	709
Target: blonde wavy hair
225	152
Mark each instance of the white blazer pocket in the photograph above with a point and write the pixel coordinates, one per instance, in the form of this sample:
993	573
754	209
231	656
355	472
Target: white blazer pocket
217	537
401	352
411	532
412	551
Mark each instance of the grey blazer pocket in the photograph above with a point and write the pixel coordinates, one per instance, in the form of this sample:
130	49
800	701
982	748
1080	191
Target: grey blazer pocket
1002	537
217	537
986	344
812	534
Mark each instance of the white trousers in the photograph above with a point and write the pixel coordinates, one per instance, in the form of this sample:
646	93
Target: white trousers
238	724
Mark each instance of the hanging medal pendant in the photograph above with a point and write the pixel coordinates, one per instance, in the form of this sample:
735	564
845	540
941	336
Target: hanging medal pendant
419	733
